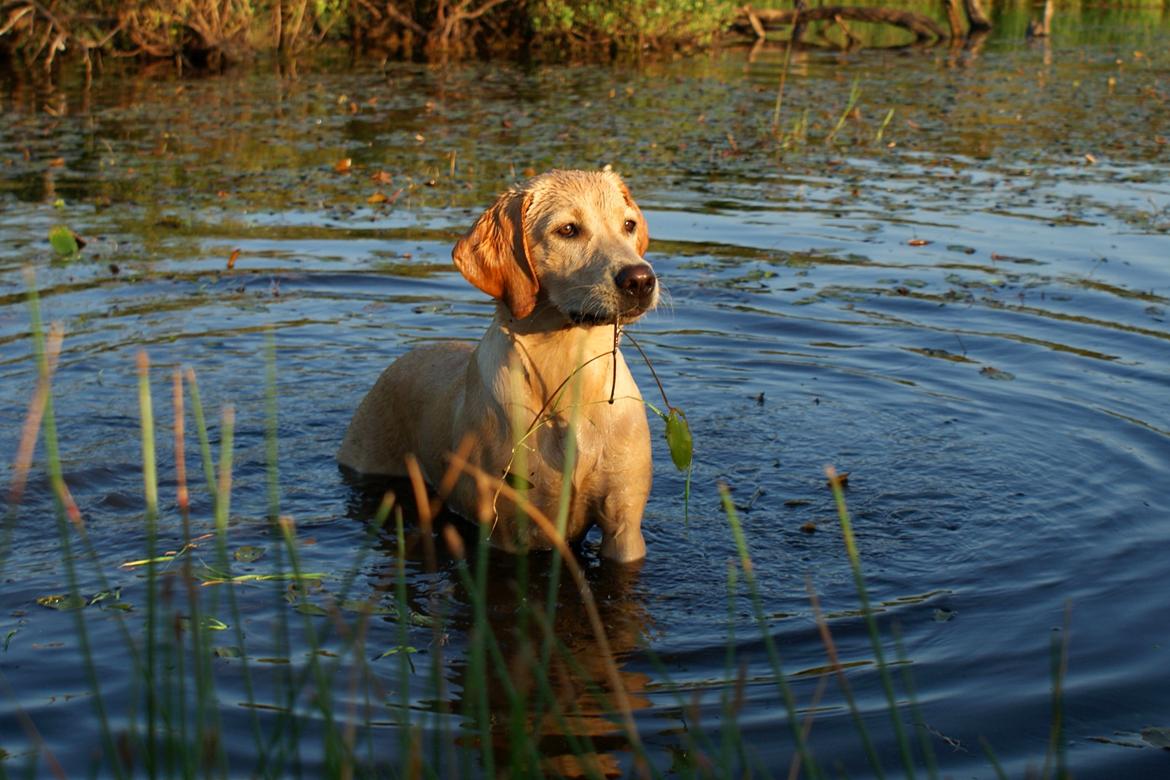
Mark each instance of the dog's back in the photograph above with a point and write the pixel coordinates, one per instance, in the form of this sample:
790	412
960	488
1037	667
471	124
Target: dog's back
407	411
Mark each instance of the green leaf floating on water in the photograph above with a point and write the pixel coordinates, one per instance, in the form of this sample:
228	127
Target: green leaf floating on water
396	650
63	241
248	553
62	601
1158	737
315	610
678	438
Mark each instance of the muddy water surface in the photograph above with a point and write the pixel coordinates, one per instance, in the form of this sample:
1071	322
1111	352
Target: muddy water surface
965	308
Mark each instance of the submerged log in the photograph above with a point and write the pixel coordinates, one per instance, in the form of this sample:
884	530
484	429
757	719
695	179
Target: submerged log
923	27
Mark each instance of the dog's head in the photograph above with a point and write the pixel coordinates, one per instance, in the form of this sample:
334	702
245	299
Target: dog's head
571	241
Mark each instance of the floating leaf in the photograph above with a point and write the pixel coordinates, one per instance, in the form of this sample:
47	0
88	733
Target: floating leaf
1157	736
396	650
678	438
235	255
377	197
315	610
62	601
310	577
248	553
63	241
918	242
228	651
344	165
7	640
367	608
104	595
144	561
991	372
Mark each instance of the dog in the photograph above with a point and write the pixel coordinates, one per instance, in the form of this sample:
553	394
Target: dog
563	255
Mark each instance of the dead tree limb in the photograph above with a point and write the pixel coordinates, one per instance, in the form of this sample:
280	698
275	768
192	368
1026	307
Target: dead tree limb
976	16
923	27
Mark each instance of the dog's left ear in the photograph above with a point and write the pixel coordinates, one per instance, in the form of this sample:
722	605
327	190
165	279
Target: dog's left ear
494	254
643	233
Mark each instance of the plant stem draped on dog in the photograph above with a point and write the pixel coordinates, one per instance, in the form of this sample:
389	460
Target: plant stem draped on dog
563	257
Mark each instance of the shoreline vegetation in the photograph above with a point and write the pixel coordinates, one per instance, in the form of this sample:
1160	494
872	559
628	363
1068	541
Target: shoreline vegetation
209	35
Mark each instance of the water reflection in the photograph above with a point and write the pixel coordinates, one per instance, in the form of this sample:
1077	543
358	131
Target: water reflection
552	679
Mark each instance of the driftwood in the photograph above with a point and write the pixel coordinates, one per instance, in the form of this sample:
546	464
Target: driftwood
753	20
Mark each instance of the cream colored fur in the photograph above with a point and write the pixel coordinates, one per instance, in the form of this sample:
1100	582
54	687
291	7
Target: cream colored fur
559	294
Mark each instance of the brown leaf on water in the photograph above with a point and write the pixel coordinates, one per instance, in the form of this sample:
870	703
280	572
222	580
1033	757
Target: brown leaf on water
991	372
1090	159
918	242
344	165
381	177
57	162
377	197
1161	140
808	527
235	255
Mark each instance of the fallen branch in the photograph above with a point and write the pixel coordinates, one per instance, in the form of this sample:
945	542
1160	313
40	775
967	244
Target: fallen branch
923	27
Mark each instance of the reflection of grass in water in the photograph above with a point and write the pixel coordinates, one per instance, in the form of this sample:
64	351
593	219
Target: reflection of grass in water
174	714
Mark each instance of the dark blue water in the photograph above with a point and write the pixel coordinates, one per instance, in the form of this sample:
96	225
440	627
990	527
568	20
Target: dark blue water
968	316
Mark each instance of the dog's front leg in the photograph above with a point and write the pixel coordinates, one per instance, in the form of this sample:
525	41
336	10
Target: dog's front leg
621	523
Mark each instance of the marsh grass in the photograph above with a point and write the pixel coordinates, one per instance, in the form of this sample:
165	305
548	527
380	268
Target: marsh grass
327	692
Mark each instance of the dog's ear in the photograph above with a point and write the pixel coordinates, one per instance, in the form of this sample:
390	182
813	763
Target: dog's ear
643	233
494	254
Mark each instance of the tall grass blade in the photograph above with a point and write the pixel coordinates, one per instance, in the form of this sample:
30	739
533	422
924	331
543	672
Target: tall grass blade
870	621
150	492
749	576
915	713
62	503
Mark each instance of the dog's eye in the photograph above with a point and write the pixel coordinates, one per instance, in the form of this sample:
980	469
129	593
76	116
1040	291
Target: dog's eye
630	225
568	231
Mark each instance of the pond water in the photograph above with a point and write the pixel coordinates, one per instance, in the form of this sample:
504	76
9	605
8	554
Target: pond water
964	307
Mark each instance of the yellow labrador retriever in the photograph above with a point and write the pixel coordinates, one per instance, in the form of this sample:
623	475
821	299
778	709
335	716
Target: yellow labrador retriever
562	256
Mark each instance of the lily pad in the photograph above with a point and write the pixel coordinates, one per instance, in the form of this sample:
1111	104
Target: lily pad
62	601
63	241
248	553
315	610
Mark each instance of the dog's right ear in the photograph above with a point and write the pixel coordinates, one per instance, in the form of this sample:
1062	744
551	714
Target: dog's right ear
494	254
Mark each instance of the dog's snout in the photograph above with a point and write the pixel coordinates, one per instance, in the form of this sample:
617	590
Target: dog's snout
636	280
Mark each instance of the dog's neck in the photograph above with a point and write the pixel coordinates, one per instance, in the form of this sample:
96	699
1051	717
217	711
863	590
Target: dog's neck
549	350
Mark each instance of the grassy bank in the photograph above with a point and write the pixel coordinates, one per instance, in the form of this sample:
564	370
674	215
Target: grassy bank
365	682
212	33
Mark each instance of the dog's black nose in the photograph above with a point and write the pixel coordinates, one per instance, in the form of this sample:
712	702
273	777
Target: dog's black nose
637	280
